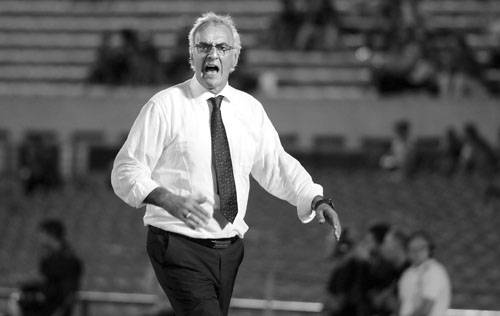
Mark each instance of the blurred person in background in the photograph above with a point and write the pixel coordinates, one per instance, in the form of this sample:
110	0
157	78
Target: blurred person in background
405	65
320	28
54	292
39	164
188	158
401	156
478	158
424	288
386	272
127	58
283	27
450	149
459	72
348	287
477	155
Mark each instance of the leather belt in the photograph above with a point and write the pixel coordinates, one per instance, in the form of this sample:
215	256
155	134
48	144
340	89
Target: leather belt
218	243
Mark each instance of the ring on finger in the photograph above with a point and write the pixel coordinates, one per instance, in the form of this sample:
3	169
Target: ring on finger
188	215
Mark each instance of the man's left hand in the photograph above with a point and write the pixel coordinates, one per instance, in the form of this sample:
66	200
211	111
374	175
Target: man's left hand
326	213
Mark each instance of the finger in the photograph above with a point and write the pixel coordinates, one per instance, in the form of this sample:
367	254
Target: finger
320	215
200	213
195	218
191	223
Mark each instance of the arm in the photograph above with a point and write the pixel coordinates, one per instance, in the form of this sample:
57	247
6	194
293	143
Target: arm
180	206
135	162
284	177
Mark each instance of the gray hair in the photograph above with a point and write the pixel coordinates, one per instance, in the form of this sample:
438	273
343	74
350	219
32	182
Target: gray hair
212	18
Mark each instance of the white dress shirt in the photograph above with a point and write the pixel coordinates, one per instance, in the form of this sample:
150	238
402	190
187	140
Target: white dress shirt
428	280
169	145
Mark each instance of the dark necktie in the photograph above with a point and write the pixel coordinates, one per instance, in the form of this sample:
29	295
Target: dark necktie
221	157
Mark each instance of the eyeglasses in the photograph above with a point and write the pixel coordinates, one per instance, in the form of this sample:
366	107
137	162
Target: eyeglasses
206	48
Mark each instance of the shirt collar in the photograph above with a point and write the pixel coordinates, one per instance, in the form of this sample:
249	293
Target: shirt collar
201	93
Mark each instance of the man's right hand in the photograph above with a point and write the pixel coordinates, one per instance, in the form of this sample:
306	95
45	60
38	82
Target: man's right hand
188	209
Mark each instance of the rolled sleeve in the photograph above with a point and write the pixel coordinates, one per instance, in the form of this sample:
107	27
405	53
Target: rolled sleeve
131	175
282	175
304	210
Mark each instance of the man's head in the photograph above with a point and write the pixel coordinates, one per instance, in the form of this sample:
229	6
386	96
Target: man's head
371	242
214	48
420	247
393	247
52	234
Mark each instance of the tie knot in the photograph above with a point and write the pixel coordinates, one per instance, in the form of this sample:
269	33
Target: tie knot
216	101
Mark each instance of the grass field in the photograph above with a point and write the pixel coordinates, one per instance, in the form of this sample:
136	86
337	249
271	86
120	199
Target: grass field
284	259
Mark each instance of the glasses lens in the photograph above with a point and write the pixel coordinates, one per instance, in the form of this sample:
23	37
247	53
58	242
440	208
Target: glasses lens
205	48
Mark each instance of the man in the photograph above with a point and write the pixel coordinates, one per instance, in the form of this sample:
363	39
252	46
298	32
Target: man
54	292
188	157
349	283
424	288
385	273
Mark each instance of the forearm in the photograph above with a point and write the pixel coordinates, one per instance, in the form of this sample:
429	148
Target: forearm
160	197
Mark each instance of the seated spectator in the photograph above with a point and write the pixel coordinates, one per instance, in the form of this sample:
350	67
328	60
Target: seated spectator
424	288
54	292
283	28
349	283
127	58
110	66
39	164
477	154
401	157
451	147
494	31
320	28
406	66
385	273
459	72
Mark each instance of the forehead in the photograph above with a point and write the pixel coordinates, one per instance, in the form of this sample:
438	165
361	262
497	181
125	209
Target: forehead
214	33
417	243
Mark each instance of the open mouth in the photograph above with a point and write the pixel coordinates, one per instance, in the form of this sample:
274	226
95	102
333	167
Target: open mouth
211	69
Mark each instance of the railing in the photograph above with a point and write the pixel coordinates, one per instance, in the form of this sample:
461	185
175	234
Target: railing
87	298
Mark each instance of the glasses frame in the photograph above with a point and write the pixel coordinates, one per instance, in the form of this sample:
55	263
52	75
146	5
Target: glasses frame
206	48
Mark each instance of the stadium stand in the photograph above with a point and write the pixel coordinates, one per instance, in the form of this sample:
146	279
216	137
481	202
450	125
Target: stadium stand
46	46
110	235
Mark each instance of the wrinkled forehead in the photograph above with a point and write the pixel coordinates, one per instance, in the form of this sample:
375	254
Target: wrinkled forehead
212	32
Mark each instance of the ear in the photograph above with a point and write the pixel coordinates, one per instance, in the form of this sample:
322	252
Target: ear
235	61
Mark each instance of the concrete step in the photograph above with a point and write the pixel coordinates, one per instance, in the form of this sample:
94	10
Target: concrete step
340	58
321	76
66	56
43	72
170	7
85	40
94	23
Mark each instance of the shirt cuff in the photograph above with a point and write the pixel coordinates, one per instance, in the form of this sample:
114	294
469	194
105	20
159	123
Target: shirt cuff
140	190
304	210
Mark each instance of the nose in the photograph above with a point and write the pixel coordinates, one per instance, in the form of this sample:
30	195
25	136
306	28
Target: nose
213	52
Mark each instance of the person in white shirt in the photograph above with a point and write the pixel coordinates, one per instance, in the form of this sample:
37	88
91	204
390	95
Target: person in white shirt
424	288
188	158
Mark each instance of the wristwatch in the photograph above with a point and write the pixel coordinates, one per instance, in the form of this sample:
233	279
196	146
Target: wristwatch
323	201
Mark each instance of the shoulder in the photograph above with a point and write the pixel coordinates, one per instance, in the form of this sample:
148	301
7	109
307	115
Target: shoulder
245	99
163	102
436	268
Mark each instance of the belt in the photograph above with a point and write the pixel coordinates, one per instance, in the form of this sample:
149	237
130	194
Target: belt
218	243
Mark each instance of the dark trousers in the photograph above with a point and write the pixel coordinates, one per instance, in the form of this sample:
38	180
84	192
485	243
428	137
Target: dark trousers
197	279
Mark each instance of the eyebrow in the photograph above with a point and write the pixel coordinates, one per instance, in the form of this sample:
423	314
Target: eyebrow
207	43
